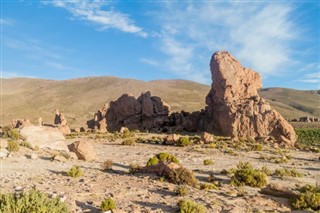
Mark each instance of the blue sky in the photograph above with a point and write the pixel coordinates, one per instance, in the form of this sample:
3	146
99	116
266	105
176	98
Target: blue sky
150	40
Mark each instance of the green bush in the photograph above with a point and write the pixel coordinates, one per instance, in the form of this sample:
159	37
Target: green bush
32	201
162	157
207	186
183	141
257	147
107	204
13	146
246	175
284	172
127	134
182	190
207	162
26	144
182	176
308	137
129	142
308	199
188	206
9	132
75	171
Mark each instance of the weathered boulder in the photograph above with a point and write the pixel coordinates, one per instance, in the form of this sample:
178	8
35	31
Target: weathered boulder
61	122
20	123
171	139
234	106
161	169
207	137
44	137
4	153
83	150
144	113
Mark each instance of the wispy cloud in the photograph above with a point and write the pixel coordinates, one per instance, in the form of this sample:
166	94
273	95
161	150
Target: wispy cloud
10	74
259	35
5	21
95	12
312	78
150	61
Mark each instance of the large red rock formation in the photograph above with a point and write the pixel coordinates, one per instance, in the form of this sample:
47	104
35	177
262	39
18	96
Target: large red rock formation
234	106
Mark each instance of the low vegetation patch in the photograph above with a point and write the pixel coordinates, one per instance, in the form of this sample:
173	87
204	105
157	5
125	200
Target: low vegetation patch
31	201
129	142
188	206
13	146
162	157
245	174
284	172
308	138
108	205
208	186
183	176
127	134
26	144
309	198
207	162
75	171
182	190
9	132
134	168
107	165
183	141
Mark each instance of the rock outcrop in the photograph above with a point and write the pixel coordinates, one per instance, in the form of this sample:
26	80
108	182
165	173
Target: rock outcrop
234	106
83	150
145	113
60	121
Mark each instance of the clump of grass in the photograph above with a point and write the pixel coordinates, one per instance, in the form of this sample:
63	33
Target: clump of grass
127	134
107	165
308	199
129	142
245	174
208	186
31	201
107	205
183	141
256	147
183	176
13	146
284	172
162	157
182	190
134	168
26	144
188	206
9	132
266	170
282	159
308	138
207	162
75	171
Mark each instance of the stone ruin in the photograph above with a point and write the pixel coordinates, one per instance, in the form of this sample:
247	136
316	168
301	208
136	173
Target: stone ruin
234	108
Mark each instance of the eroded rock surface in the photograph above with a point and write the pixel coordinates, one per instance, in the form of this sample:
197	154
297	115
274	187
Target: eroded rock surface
234	106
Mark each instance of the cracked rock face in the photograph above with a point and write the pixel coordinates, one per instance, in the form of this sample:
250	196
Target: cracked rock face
234	107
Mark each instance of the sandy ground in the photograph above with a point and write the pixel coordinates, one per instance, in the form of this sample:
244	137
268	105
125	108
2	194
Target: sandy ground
147	193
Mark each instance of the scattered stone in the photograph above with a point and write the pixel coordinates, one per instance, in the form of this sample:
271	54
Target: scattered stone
33	156
60	158
4	153
83	150
206	137
171	139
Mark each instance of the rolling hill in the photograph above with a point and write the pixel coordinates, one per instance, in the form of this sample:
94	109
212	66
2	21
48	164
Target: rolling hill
80	98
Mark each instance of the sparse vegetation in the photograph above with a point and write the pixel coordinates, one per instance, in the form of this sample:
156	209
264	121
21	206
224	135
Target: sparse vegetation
162	157
26	144
127	134
284	172
183	141
208	186
308	138
107	205
134	168
107	165
207	162
31	201
182	190
182	176
245	174
75	171
188	206
13	146
12	133
129	142
308	199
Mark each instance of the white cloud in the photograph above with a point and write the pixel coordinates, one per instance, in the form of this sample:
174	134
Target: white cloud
258	34
313	78
93	11
9	74
149	61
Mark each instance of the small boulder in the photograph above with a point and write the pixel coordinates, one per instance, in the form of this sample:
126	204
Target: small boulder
206	137
83	150
4	153
33	156
60	158
171	139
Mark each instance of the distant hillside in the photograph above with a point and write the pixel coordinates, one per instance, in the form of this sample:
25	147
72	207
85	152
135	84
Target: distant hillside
80	98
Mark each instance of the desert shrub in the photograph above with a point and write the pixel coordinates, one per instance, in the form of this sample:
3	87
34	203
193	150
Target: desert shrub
257	147
183	141
182	176
182	190
75	171
129	142
107	205
9	132
13	146
127	134
162	157
134	168
284	172
188	206
207	162
31	201
207	186
308	199
282	159
26	144
308	137
107	165
266	170
246	175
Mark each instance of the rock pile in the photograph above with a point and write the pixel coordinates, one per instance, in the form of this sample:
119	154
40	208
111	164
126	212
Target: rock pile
61	122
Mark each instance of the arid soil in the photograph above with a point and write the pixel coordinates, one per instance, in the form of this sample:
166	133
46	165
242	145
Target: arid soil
148	193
